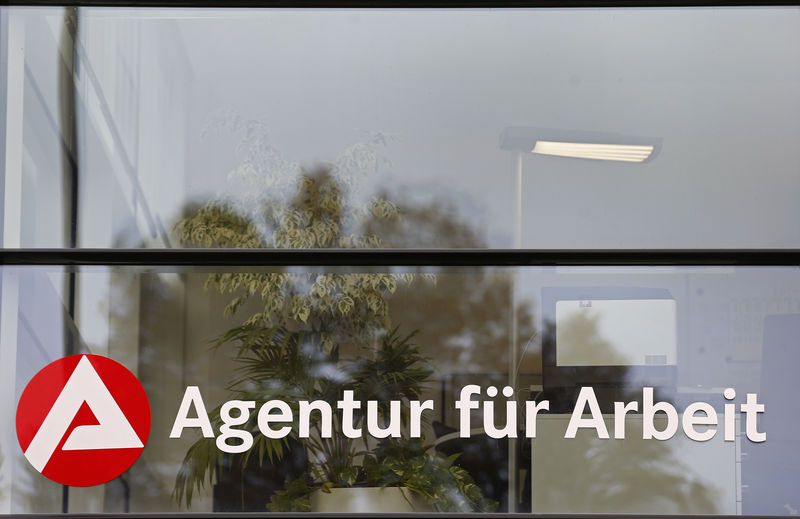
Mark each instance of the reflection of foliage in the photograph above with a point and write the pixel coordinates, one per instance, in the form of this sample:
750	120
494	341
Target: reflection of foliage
475	335
339	305
263	168
593	474
290	349
277	208
274	203
435	224
580	335
599	468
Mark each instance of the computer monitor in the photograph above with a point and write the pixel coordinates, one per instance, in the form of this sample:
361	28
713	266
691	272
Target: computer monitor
615	332
616	339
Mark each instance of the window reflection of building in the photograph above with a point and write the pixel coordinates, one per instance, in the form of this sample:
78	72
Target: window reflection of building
110	91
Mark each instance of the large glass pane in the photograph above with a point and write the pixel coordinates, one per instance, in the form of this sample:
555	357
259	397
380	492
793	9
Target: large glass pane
123	121
670	344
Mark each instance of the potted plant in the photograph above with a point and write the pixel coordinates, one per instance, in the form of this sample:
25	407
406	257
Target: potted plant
391	474
396	476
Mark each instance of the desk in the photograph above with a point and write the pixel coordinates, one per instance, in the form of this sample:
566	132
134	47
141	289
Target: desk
590	475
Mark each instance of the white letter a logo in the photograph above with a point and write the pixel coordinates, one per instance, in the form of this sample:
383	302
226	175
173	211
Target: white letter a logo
113	431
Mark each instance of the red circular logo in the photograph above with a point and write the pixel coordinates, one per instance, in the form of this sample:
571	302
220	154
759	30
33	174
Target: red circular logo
83	420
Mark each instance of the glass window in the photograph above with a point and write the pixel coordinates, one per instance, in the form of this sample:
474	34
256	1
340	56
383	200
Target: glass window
564	389
671	342
535	128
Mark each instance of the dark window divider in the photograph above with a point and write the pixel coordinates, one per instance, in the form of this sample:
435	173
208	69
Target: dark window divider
299	515
400	3
402	257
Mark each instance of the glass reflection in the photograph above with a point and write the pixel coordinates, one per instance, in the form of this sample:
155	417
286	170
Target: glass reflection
423	334
130	115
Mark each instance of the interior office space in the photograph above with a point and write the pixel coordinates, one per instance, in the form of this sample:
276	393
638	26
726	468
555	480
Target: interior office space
132	132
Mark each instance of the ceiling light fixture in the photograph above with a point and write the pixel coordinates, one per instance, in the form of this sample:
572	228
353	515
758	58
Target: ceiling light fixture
583	150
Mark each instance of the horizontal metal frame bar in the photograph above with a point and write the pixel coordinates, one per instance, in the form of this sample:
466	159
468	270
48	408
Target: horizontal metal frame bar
440	515
400	3
402	257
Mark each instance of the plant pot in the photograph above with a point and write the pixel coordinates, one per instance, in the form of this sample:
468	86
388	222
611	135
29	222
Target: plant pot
368	500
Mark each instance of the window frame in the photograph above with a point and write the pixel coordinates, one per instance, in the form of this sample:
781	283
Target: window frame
76	257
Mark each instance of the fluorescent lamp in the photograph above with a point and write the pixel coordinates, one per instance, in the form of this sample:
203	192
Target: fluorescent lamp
581	150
